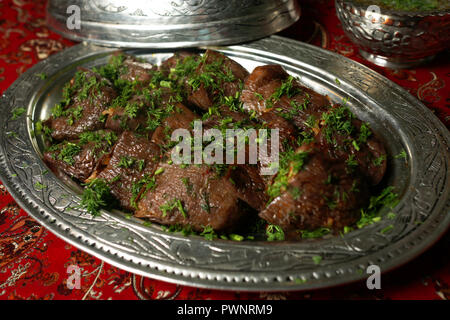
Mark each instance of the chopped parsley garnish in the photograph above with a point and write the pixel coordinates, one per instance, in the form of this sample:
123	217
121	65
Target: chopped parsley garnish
351	161
291	162
82	85
317	259
208	233
189	186
113	69
146	223
401	155
165	84
171	205
379	161
387	198
288	88
131	109
364	133
410	5
126	162
337	121
387	229
391	215
258	95
317	233
235	237
17	112
42	75
274	233
141	187
96	195
43	129
295	192
140	164
212	75
185	230
300	281
311	121
39	186
297	107
205	205
68	152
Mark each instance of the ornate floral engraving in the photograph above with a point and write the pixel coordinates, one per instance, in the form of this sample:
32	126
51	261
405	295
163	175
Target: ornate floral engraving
169	24
405	38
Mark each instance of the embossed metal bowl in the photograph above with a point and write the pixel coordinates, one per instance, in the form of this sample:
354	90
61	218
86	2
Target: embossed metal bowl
422	180
169	23
395	39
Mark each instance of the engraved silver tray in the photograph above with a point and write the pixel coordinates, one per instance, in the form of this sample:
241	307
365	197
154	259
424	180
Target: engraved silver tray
422	181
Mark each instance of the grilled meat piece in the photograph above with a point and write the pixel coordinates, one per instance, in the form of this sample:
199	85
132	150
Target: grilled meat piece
245	176
262	94
86	97
258	86
321	194
217	76
345	138
244	129
300	112
223	117
269	88
132	159
180	117
179	59
132	69
191	196
249	184
80	158
287	131
120	118
148	112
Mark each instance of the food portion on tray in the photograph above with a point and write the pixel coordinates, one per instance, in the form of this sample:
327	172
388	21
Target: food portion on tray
113	131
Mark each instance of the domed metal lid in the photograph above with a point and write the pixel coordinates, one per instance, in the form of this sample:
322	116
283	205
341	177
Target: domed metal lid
169	23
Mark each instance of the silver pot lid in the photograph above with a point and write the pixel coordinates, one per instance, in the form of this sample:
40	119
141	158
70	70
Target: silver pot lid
169	23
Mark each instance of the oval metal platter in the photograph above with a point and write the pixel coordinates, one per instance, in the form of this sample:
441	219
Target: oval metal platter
421	179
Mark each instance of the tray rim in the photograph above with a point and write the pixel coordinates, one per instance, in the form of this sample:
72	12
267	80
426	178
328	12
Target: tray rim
189	275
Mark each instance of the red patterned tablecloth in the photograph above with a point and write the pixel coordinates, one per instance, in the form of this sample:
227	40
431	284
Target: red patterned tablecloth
33	261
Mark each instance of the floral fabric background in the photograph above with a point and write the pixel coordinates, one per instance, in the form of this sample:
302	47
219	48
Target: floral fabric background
33	261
